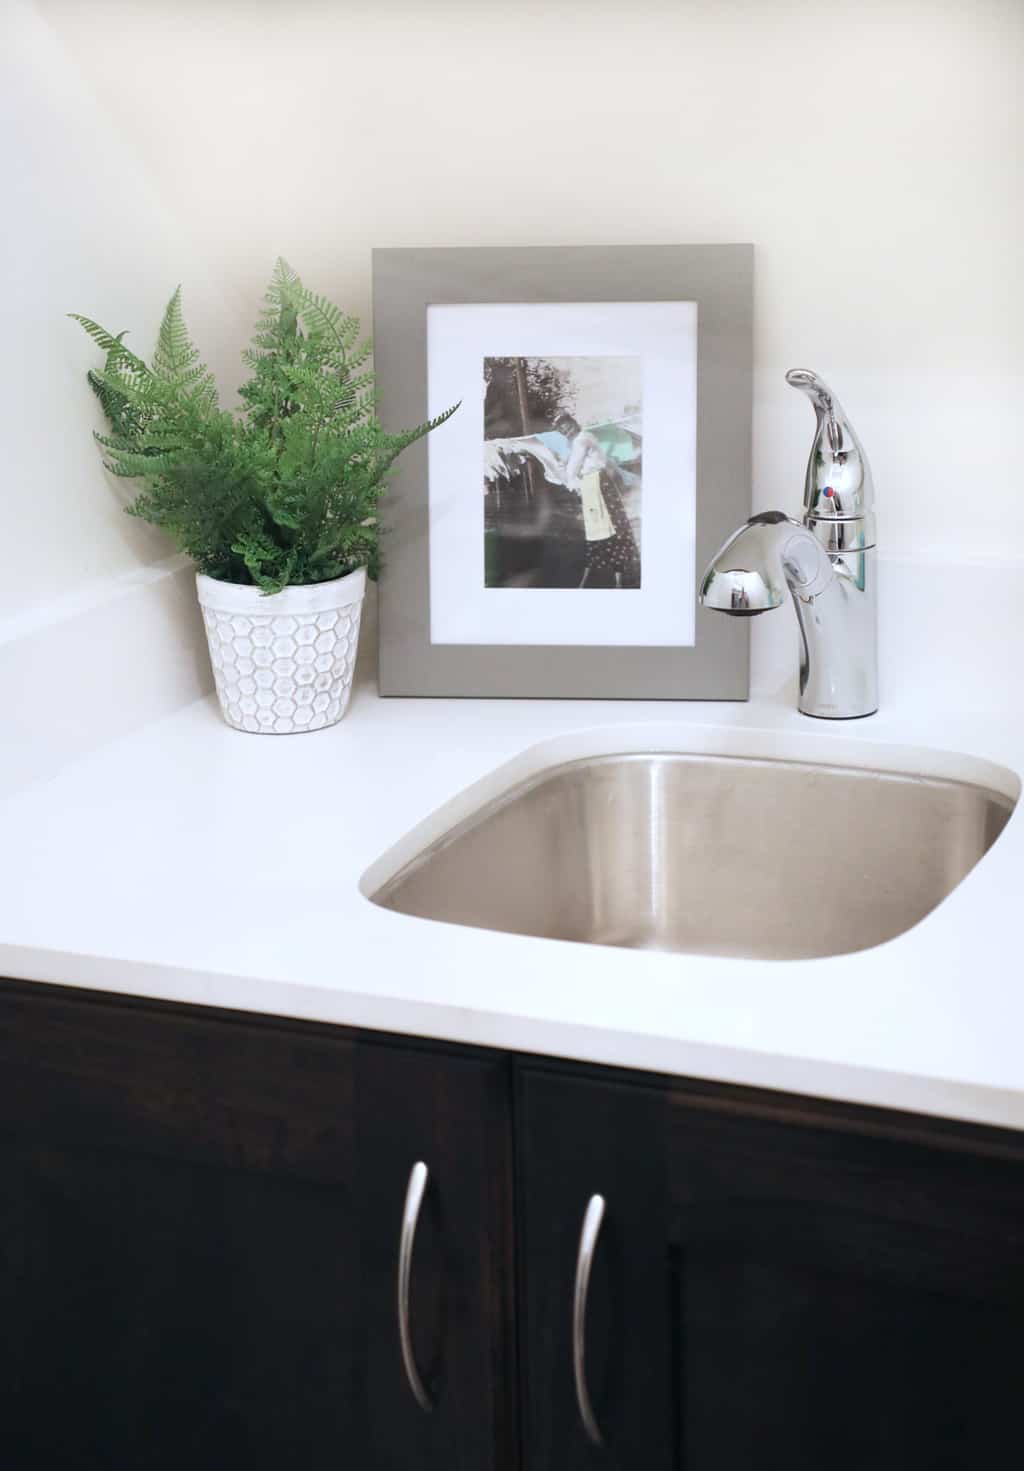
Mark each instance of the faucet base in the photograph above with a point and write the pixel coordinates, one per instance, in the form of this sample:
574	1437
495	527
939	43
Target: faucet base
839	641
818	715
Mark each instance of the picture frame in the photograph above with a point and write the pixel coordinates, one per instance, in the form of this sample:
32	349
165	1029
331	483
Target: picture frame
524	557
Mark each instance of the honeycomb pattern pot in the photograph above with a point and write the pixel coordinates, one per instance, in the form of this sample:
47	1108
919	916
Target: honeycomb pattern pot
283	663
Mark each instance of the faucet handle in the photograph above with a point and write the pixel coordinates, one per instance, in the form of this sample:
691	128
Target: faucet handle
815	387
838	487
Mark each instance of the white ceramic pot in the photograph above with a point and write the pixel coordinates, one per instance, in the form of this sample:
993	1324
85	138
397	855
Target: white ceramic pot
283	662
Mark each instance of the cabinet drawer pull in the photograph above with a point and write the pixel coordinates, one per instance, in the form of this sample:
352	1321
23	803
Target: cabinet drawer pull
410	1216
592	1219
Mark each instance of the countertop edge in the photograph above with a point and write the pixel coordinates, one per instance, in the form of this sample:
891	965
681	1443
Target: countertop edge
948	1099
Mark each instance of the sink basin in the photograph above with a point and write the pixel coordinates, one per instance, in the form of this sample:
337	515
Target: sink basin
711	855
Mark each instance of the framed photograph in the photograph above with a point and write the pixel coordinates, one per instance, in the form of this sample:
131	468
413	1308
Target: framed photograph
548	539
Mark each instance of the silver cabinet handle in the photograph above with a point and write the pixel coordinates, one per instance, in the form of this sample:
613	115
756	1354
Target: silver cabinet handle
410	1216
592	1219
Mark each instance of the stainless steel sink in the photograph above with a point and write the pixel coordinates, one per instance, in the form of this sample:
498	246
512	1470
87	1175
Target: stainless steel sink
709	855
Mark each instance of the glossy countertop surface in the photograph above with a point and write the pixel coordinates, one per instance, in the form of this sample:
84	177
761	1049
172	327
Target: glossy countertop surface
189	862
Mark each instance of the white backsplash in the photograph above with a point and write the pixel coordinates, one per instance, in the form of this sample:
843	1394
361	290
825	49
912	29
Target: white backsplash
132	650
950	630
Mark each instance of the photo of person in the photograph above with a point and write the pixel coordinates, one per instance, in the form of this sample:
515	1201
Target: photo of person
562	472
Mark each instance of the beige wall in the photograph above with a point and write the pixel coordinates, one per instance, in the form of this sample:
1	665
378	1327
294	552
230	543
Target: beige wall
870	150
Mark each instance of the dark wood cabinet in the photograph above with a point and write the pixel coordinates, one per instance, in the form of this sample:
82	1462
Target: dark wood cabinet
451	1112
199	1217
199	1230
787	1285
577	1139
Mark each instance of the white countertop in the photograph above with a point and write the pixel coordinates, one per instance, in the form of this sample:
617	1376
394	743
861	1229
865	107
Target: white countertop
192	863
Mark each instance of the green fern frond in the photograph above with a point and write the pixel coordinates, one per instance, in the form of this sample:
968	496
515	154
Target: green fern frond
351	383
99	334
284	278
281	295
175	359
174	353
132	465
396	443
132	390
323	318
262	558
359	355
284	491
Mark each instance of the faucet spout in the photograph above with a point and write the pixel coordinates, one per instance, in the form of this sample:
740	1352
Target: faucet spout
770	554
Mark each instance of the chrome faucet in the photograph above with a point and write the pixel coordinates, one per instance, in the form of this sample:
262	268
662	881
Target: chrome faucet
827	561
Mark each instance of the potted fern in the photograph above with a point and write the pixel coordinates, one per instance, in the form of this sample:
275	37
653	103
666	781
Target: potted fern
275	504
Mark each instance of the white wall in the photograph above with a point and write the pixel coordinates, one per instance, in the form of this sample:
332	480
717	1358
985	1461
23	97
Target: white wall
84	230
870	150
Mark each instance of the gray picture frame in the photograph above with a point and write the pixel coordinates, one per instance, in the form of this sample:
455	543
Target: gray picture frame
719	278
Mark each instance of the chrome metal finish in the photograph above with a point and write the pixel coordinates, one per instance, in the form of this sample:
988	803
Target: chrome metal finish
708	855
593	1216
827	563
838	486
777	554
410	1216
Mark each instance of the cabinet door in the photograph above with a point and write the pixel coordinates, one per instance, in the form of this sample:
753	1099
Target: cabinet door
578	1139
452	1114
772	1286
179	1253
194	1269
